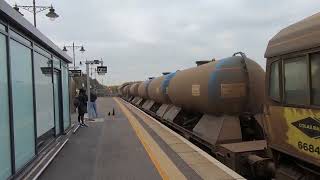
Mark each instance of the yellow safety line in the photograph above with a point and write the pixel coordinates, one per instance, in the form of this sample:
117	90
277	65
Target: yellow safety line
210	159
161	161
152	157
146	147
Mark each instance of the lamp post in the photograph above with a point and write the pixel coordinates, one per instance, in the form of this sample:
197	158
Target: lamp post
36	9
73	51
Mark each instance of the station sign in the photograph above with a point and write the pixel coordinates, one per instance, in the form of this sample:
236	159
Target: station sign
102	70
75	73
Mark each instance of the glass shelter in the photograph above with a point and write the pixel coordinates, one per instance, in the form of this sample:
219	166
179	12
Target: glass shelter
34	83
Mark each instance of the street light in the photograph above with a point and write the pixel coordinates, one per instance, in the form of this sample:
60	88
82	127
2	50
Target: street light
82	49
51	14
15	7
73	50
36	9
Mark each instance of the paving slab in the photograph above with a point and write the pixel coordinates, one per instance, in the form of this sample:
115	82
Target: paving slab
129	145
198	161
107	149
193	158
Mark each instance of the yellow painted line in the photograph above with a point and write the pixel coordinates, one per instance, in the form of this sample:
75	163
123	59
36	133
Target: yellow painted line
161	161
162	173
150	120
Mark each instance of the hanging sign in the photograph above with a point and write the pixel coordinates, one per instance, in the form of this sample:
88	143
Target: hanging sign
102	70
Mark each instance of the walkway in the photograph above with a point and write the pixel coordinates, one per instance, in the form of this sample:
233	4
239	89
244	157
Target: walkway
131	145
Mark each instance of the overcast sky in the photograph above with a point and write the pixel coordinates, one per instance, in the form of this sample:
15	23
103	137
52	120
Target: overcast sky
142	38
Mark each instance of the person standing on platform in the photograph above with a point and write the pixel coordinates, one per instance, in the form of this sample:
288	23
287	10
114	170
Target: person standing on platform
93	107
82	107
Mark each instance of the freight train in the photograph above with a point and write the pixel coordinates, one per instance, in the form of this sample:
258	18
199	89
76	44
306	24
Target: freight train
260	127
218	105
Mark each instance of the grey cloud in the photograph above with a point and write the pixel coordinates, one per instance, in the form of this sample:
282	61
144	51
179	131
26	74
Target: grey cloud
142	38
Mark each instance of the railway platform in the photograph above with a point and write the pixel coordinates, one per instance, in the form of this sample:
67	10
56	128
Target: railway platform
130	145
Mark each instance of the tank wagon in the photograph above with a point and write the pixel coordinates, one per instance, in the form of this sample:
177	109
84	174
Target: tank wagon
143	91
125	90
293	100
133	91
217	105
121	89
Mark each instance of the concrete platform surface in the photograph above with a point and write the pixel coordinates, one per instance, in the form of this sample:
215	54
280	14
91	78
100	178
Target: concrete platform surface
105	150
131	145
198	161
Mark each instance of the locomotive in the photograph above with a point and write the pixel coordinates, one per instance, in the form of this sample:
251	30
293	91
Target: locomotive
292	111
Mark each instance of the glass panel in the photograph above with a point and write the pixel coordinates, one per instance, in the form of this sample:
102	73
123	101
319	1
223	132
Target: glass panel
296	80
57	101
274	81
5	154
44	94
65	96
41	51
22	100
56	63
20	38
2	27
315	75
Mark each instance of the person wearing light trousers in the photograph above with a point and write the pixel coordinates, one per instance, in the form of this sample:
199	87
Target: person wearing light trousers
92	106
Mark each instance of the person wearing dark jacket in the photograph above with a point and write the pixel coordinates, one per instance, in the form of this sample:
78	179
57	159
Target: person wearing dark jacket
81	104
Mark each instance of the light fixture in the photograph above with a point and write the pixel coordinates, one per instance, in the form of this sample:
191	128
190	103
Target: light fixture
64	48
96	61
51	14
82	49
15	7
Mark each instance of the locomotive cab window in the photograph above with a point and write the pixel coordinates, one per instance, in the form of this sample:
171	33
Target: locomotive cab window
315	74
296	81
274	90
